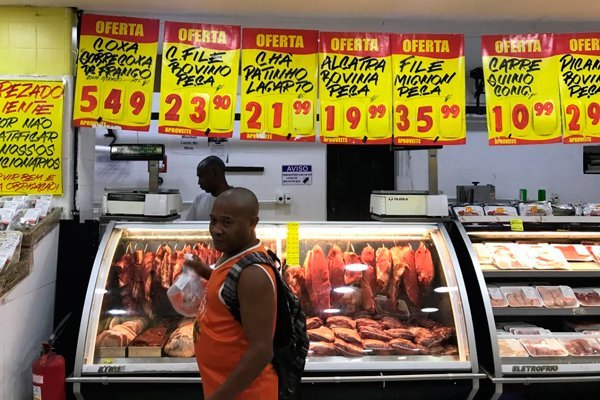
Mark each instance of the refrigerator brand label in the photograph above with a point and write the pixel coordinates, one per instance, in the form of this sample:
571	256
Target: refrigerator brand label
106	369
535	368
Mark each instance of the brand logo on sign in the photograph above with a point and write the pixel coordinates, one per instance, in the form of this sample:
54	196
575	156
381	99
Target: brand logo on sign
398	199
535	368
110	369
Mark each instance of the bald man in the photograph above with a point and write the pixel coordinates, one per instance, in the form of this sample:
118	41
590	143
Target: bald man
235	359
211	179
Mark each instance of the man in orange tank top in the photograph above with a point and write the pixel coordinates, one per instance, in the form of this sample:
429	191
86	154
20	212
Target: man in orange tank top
235	359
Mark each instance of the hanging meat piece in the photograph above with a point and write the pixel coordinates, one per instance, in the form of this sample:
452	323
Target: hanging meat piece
424	267
166	267
371	332
148	268
313	322
368	256
321	349
340	321
321	334
348	335
178	266
368	281
294	276
410	279
351	302
350	276
398	268
335	263
137	289
317	279
383	269
348	349
124	269
378	347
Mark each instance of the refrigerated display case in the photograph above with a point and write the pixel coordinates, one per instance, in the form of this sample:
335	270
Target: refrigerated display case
384	301
540	285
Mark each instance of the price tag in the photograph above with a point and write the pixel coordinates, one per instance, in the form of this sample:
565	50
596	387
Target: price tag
279	85
516	225
200	68
355	80
115	72
580	98
292	244
522	96
429	89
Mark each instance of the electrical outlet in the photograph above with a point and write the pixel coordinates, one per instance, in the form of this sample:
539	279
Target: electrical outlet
279	198
287	197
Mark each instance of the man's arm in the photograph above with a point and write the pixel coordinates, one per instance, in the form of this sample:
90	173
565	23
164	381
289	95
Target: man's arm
199	267
257	308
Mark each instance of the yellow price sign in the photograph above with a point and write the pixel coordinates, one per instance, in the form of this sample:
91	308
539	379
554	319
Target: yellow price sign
292	244
516	225
429	89
199	78
31	125
521	90
578	58
355	78
279	85
115	72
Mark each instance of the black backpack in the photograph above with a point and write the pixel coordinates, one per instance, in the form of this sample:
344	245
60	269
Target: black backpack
290	343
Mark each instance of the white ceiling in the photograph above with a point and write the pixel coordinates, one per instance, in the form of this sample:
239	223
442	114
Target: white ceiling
466	10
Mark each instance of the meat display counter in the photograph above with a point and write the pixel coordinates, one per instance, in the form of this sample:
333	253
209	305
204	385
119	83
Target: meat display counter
542	286
384	302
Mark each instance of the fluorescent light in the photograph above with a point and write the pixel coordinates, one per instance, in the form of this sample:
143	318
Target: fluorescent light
344	289
117	312
429	310
356	267
442	289
101	291
331	310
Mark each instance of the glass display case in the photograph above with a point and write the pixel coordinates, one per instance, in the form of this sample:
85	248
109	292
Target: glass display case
378	297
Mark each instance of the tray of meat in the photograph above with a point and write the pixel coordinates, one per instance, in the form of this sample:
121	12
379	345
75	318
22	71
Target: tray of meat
522	331
546	347
574	252
500	211
483	253
537	209
594	251
468	211
557	296
505	256
588	297
511	348
581	346
522	296
497	298
591	209
181	340
150	342
543	256
113	341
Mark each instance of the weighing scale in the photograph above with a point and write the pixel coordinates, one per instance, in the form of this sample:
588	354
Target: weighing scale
140	203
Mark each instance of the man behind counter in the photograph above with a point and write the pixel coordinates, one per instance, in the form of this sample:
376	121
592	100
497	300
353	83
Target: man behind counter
211	179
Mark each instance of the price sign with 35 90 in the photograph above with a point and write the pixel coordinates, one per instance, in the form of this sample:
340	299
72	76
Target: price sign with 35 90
522	94
354	79
115	72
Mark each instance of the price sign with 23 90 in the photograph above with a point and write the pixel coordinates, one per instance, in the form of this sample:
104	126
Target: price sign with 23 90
199	109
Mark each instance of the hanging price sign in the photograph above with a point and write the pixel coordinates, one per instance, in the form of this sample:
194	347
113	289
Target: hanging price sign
115	72
579	64
279	85
429	89
355	80
521	90
200	68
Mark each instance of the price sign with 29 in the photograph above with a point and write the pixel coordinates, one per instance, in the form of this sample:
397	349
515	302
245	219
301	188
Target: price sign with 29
582	121
114	104
198	109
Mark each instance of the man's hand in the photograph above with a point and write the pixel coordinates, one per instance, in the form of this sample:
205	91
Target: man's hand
199	267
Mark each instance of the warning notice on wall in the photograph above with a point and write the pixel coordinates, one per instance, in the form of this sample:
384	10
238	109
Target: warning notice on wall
296	174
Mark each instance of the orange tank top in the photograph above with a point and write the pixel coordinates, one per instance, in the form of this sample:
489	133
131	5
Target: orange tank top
220	341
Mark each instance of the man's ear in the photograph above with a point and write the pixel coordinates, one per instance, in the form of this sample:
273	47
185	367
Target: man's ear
254	222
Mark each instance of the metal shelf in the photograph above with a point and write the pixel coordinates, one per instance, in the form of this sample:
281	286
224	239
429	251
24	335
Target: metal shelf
539	311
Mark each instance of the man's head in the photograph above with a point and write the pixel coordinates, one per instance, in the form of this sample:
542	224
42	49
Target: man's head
211	175
233	220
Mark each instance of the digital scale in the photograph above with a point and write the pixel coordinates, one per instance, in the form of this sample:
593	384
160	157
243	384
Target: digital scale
141	203
408	204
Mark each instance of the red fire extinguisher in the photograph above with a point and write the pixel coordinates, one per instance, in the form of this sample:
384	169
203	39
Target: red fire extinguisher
49	370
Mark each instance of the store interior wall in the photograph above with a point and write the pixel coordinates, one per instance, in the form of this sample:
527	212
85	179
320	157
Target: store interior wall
556	168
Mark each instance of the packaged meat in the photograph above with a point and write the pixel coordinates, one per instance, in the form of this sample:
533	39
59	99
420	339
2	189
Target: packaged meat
6	215
347	335
581	326
321	334
468	210
371	332
594	251
522	296
360	322
591	209
378	347
546	347
574	252
181	341
497	298
187	292
563	210
24	218
346	349
500	210
588	297
10	246
313	322
542	256
404	347
483	254
511	325
505	256
540	208
557	296
511	348
321	349
528	331
581	346
340	321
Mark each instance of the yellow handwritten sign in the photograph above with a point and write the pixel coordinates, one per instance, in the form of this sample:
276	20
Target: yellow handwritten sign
355	80
31	115
429	89
115	72
521	89
292	244
200	68
279	85
516	225
579	65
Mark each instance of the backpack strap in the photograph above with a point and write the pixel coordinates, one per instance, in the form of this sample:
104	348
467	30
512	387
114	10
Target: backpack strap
229	292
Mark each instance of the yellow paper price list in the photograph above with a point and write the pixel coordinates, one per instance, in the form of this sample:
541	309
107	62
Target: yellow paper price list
355	120
200	110
519	118
279	116
292	244
424	118
582	117
114	103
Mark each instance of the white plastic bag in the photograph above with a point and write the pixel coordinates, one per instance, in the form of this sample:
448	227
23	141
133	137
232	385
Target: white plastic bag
187	292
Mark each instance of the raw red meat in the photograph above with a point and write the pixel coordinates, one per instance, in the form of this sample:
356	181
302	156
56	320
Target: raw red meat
424	266
404	347
294	276
398	268
313	323
322	349
348	349
321	334
400	333
378	347
347	335
371	332
317	279
351	277
341	322
384	268
335	261
410	279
